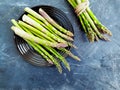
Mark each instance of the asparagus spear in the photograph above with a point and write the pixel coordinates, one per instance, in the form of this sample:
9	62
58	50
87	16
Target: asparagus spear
90	33
39	49
36	47
70	54
38	16
42	19
27	36
91	25
52	59
54	52
48	28
44	25
46	55
51	28
32	28
50	20
32	43
98	23
63	49
40	27
35	31
37	28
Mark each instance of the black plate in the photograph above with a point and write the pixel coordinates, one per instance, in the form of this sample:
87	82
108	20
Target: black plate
27	51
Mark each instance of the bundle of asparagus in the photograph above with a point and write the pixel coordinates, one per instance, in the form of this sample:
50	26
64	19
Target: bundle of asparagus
92	26
45	36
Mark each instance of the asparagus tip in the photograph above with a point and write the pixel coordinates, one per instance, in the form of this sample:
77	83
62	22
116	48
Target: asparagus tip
50	62
110	33
70	39
96	38
70	34
77	58
74	46
106	39
62	45
60	70
68	67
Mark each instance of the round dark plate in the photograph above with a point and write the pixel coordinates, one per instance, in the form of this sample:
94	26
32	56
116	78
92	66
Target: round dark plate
27	51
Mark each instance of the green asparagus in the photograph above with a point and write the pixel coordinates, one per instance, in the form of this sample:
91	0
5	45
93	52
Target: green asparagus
27	36
44	37
91	25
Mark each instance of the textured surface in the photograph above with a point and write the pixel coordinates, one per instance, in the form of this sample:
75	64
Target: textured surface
100	65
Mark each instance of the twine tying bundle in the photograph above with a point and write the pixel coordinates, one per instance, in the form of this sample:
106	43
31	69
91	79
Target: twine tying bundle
81	7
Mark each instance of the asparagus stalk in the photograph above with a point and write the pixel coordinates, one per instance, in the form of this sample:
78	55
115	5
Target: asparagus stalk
95	28
31	21
40	27
50	20
98	23
37	34
52	58
36	47
32	43
51	28
40	41
70	54
27	36
53	51
90	33
38	16
44	53
39	49
63	49
46	26
35	31
91	25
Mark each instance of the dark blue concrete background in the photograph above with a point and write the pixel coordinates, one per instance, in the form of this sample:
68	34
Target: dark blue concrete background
100	65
